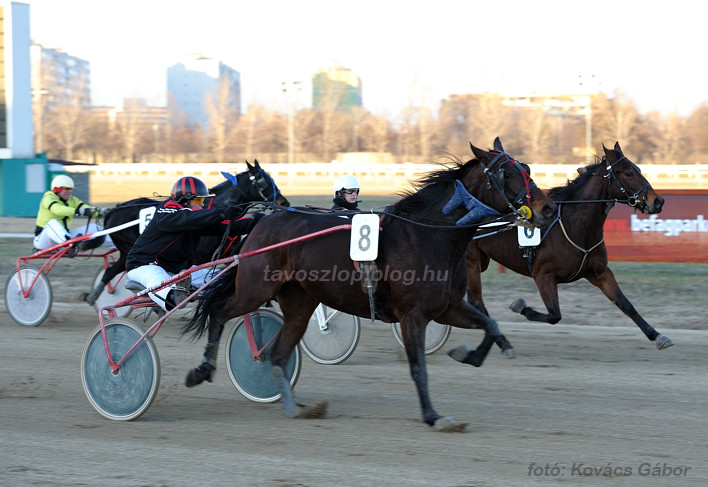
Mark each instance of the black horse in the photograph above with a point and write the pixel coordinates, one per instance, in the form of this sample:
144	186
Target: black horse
252	185
572	246
419	274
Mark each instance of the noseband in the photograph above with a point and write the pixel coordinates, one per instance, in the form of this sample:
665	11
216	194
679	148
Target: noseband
634	200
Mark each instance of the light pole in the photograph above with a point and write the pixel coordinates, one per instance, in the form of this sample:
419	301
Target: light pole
288	89
588	114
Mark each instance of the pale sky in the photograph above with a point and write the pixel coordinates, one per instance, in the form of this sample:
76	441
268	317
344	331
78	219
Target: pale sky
654	52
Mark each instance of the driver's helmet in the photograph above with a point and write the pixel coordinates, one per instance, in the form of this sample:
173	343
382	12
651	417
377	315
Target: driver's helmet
345	181
61	181
187	188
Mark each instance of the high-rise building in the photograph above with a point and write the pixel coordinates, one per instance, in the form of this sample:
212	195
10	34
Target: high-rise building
336	88
190	82
58	79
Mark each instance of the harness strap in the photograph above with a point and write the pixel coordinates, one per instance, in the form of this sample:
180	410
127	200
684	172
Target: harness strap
585	252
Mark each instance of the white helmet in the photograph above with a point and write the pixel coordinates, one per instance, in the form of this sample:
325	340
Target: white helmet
345	181
62	181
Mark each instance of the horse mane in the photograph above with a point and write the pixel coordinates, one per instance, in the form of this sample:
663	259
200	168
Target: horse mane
429	190
570	190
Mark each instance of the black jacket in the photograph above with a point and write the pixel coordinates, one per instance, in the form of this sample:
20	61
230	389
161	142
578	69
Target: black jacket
171	238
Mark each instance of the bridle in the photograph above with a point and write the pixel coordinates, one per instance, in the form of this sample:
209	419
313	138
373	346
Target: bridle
634	200
261	182
496	180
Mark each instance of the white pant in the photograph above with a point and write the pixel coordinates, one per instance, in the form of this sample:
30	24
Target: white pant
153	275
54	233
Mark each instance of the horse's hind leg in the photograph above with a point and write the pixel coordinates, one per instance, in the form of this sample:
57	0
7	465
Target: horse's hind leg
608	285
112	271
297	307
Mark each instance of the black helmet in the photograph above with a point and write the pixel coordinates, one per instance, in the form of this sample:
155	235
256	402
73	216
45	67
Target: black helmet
187	188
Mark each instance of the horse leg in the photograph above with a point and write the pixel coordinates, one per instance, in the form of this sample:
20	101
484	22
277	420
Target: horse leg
413	333
464	315
476	263
221	312
206	370
608	285
297	307
548	289
112	271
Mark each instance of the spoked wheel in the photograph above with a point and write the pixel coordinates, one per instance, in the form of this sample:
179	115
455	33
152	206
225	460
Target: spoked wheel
129	392
117	293
251	377
331	336
435	336
34	309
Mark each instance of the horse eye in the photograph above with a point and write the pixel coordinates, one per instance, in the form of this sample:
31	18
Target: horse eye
628	174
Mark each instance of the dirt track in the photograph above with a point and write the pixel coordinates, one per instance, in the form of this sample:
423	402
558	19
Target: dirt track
577	400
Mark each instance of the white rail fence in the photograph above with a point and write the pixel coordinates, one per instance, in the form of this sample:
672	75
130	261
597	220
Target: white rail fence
129	180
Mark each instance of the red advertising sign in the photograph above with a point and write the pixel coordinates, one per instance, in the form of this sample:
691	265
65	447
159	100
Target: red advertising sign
678	234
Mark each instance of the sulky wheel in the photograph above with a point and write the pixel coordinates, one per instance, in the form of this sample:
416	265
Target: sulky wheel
33	309
331	336
127	393
251	377
117	292
435	336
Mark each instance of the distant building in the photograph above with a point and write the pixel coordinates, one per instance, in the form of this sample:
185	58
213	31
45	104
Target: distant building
189	83
57	79
336	88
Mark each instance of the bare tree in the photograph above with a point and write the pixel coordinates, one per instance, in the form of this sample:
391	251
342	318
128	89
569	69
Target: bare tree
65	126
222	107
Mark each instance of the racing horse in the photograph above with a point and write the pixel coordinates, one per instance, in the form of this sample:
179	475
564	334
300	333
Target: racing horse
423	236
254	184
572	246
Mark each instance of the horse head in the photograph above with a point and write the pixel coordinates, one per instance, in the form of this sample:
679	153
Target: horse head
505	184
255	184
627	184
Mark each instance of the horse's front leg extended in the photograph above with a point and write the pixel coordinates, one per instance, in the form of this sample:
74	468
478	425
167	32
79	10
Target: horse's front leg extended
464	315
608	285
413	331
548	289
112	271
207	369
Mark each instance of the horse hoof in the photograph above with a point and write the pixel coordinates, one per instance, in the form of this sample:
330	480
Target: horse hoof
509	353
316	411
518	305
205	372
663	342
448	425
460	353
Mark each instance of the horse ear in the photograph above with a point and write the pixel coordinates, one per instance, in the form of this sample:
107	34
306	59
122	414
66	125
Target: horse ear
258	166
498	145
478	153
618	148
250	168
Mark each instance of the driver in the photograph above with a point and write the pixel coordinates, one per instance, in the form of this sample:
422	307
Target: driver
170	240
57	209
346	190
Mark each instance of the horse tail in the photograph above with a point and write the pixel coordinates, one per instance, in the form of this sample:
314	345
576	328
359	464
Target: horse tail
210	303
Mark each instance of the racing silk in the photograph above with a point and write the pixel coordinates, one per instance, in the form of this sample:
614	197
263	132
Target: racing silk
52	207
171	238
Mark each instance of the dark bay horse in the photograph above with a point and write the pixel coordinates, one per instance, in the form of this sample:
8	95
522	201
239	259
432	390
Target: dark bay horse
572	246
423	237
255	184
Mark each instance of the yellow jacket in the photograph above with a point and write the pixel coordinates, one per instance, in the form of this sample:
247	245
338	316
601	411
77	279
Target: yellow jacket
53	207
